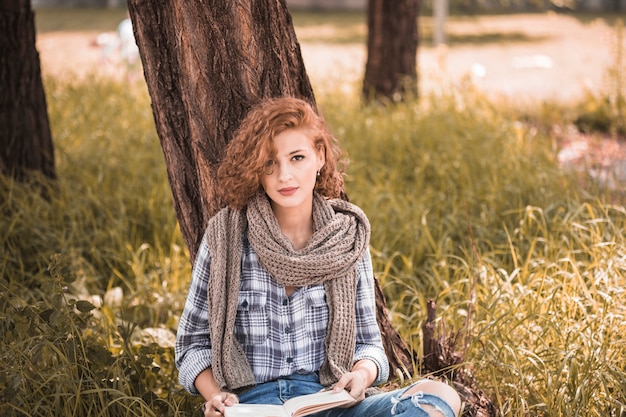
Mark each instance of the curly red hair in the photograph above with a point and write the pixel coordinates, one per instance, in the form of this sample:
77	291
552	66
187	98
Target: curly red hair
247	154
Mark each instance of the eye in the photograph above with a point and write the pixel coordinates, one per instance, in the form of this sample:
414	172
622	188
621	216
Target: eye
269	166
298	157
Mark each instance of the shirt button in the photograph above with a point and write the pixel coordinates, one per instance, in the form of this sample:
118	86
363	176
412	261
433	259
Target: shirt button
289	360
285	302
287	330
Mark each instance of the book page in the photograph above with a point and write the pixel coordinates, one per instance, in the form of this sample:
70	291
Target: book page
312	403
255	410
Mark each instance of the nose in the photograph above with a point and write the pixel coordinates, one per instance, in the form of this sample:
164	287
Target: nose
284	173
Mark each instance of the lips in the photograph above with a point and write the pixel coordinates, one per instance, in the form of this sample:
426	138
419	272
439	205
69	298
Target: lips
287	191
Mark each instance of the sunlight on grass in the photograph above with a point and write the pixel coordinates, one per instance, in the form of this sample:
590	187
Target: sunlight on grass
469	206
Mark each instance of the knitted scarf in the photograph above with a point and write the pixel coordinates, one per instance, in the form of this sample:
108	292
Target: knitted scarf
340	237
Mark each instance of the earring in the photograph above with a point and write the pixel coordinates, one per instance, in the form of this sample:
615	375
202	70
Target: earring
318	172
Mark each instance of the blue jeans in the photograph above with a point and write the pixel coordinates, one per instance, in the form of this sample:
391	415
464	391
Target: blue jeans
386	404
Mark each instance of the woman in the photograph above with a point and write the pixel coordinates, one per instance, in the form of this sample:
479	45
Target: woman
281	301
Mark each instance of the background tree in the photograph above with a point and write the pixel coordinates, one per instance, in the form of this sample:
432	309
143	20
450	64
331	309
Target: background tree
391	75
205	67
392	40
25	138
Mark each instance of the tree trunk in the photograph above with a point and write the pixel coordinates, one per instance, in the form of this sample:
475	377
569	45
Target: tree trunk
25	138
392	38
205	68
444	355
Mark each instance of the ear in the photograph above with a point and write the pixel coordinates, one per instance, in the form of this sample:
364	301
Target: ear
321	158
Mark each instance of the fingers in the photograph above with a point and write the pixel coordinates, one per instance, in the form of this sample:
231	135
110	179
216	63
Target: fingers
209	410
217	403
353	384
341	384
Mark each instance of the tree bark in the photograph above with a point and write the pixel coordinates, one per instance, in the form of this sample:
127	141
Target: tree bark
392	40
205	67
25	138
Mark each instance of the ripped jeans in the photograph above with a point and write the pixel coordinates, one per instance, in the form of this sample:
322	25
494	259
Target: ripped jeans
387	404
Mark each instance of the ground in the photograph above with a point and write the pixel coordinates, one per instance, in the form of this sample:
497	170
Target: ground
538	57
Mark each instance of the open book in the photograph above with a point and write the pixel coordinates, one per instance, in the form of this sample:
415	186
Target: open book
294	407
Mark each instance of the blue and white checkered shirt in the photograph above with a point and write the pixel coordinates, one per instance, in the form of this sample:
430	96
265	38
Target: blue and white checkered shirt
280	335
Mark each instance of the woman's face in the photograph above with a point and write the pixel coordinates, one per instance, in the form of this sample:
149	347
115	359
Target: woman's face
290	177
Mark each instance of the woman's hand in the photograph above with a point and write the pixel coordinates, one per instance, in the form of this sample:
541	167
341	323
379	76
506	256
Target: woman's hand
354	383
359	379
217	402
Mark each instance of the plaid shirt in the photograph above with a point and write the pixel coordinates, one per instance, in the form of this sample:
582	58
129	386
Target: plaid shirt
280	335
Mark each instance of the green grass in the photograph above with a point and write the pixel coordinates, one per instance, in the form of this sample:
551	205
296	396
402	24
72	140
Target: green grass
107	236
346	27
470	208
78	19
467	206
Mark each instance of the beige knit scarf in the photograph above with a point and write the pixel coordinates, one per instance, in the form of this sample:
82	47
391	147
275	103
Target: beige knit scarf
341	236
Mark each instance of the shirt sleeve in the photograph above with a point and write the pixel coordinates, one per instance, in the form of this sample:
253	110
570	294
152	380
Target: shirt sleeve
368	339
193	351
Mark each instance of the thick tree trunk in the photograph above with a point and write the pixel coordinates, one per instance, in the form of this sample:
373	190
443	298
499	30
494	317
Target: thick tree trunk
392	38
25	138
205	66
